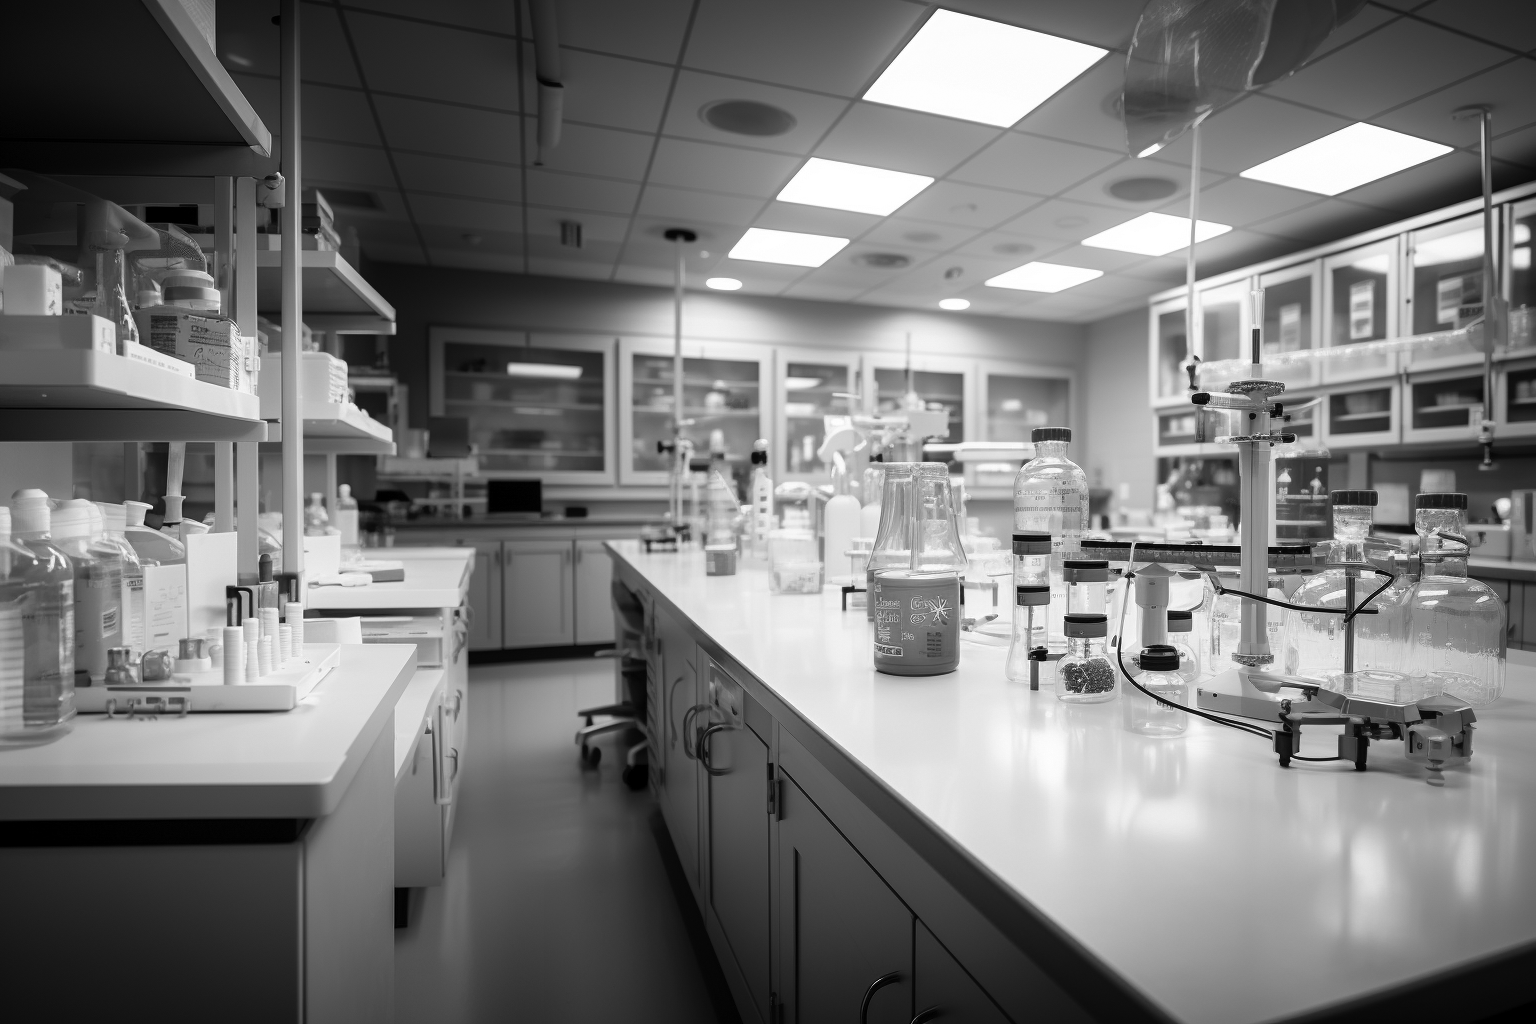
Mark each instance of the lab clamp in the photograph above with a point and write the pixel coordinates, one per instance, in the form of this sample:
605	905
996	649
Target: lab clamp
1435	731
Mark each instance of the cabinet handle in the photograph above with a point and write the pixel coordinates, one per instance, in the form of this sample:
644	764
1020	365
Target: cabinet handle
458	703
693	754
869	993
932	1013
704	749
670	691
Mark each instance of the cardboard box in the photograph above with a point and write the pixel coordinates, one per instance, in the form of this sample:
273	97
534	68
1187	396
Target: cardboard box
159	360
212	344
89	333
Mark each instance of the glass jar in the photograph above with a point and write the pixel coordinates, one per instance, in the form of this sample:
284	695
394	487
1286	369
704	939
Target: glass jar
1181	625
1160	676
1087	586
1032	568
1085	674
1456	624
1027	646
893	540
793	567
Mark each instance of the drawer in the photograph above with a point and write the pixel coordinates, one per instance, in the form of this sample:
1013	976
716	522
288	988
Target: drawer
427	632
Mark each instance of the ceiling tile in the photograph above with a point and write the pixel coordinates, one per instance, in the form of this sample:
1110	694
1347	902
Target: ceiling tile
759	273
813	112
811	44
595	227
565	190
361	165
432	62
1028	163
470	259
1510	89
1112	286
1096	189
1519	149
459	177
340	115
1000	245
930	278
903	140
1447	179
610	91
916	234
1094	259
1249	132
468	214
816	220
600	152
1107	23
721	168
631	274
650	31
1086	112
809	289
553	267
1240	202
1405	60
442	236
1368	20
687	206
1503	22
648	235
949	202
326	57
1066	220
452	131
485	15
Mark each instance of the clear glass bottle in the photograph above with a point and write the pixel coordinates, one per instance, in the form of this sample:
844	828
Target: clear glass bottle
893	541
49	624
1456	624
98	566
114	524
1027	642
1181	625
316	522
152	546
1050	495
1159	677
936	535
1086	675
1318	645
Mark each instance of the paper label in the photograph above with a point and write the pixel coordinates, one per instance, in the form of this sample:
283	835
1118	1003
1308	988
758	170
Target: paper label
1362	310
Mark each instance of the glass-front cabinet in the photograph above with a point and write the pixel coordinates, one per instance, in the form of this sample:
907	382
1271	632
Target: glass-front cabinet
1522	278
809	382
1016	399
1515	385
1364	417
943	384
1226	315
1292	322
723	392
1446	288
1170	349
1444	406
1360	302
536	405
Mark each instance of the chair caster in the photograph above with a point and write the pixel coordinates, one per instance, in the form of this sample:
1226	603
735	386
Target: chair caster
634	776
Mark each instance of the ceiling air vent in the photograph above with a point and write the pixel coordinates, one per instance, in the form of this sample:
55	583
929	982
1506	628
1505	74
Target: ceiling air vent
747	117
883	260
1142	190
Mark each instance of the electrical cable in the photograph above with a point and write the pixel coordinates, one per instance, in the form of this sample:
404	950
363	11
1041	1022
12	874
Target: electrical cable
1348	614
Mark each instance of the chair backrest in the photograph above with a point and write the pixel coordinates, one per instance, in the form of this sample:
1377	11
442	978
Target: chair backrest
333	631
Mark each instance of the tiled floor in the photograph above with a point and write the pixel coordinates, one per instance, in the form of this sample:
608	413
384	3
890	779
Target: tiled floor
559	905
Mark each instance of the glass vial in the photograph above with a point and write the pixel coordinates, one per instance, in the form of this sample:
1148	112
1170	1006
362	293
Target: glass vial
1159	677
1085	674
1181	625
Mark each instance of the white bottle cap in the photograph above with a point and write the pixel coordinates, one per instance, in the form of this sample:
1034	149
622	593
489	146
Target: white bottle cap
344	490
135	511
114	518
72	519
30	512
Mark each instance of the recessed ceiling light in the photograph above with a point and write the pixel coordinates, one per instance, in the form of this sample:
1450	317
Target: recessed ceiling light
1154	234
840	186
955	304
546	371
980	70
764	245
723	284
1347	159
1043	277
747	117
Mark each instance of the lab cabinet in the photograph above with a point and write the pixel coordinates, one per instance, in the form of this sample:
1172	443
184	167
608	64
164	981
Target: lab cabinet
1226	316
941	384
843	932
1522	277
537	405
485	597
423	791
1170	350
1515	392
1445	406
1015	399
593	578
943	990
1292	322
1360	299
1365	416
724	385
1445	289
808	383
537	593
675	689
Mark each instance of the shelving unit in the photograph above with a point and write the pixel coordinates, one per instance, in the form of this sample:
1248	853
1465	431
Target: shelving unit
336	298
345	430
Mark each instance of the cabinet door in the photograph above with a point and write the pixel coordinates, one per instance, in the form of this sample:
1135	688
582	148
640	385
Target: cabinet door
944	990
738	850
594	603
538	585
679	693
485	597
841	927
419	820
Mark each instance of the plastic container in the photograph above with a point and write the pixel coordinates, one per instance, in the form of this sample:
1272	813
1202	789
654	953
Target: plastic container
917	622
893	539
793	567
1456	624
316	522
1181	625
1085	674
114	524
37	650
1159	677
98	566
839	525
152	546
1026	648
346	518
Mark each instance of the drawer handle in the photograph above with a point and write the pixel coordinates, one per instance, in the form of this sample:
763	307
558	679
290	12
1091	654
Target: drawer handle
691	753
670	691
869	993
458	703
932	1013
704	748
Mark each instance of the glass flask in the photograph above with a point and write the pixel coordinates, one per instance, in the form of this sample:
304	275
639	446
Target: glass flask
935	533
1085	674
893	540
1027	645
317	523
1456	624
1318	645
1087	585
1223	615
1050	495
1160	676
47	581
1301	492
1181	625
98	569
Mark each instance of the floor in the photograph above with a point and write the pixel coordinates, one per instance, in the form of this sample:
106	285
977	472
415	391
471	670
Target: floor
562	898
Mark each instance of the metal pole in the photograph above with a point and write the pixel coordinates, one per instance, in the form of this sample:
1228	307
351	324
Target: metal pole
248	458
1492	293
293	297
224	248
679	237
1190	317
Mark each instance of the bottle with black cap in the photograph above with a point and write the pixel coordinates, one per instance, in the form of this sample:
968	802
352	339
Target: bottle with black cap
1181	631
1050	495
761	521
1456	623
1085	674
1159	677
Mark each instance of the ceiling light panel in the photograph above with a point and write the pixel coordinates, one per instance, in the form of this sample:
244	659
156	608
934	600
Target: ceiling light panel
1043	277
544	371
1346	159
955	304
723	284
763	245
980	70
854	187
1154	234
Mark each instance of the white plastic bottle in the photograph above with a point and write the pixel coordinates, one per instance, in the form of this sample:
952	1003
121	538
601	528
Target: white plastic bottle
114	525
840	524
316	522
346	518
98	569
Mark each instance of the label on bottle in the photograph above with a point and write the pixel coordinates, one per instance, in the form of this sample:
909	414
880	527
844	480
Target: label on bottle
109	622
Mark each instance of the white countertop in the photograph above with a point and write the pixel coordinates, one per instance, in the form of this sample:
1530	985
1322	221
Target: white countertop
1223	887
434	578
289	764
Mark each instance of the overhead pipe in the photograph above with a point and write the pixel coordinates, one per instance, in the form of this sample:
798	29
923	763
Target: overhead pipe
546	70
1492	305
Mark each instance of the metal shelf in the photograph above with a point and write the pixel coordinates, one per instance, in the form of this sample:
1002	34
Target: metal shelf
336	298
78	395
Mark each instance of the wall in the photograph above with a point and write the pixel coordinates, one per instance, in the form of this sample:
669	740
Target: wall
1119	439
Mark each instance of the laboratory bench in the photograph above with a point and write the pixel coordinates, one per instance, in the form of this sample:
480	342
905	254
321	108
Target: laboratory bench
961	842
265	834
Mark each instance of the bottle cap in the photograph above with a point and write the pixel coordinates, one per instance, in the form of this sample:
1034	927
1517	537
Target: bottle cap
72	519
1051	434
1032	597
344	490
760	452
30	513
264	567
1031	543
1448	499
1085	570
1085	625
1353	498
1181	620
135	511
1159	658
114	518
